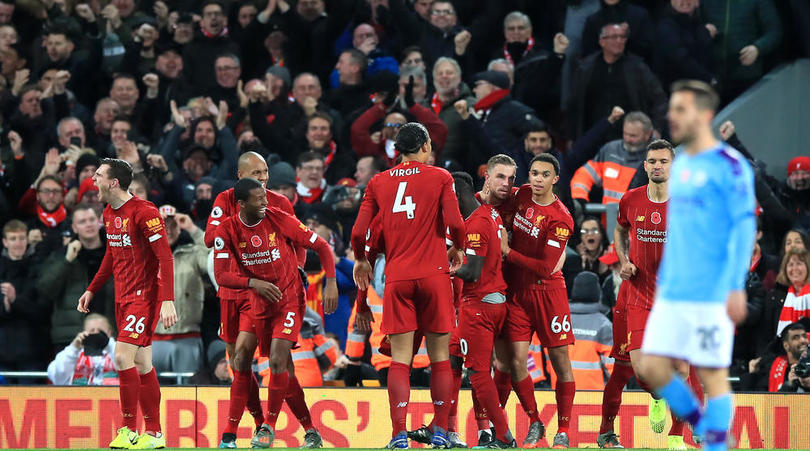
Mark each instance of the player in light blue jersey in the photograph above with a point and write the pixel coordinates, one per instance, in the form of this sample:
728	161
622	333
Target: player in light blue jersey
701	290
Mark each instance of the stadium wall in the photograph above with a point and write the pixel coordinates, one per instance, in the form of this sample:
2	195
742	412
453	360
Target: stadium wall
87	417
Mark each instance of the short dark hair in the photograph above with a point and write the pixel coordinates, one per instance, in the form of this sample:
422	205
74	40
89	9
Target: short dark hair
411	137
791	327
535	126
463	182
378	163
82	207
118	169
15	225
123	75
547	158
661	144
308	156
705	96
358	58
60	28
243	187
501	158
212	2
51	177
320	115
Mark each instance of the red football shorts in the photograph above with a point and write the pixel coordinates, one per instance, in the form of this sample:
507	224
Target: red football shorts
478	325
544	311
236	316
136	320
424	304
628	330
283	319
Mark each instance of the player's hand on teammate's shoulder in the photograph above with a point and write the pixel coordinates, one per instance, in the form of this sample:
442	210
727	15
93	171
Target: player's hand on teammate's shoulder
363	321
362	274
330	296
628	271
84	302
168	315
266	289
737	306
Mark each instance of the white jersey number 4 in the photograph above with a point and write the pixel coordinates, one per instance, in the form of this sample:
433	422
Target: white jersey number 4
403	203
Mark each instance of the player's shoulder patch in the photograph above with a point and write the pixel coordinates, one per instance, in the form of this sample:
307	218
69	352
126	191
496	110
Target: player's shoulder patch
216	213
219	243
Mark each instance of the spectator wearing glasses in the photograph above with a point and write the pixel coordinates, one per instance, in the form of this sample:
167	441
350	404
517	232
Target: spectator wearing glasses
366	141
44	205
593	244
312	186
611	77
641	39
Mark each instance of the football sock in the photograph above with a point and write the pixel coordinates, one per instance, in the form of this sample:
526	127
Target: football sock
276	393
715	423
677	425
298	404
564	392
484	386
441	392
681	400
503	383
452	419
612	398
525	393
481	416
254	402
149	399
399	393
128	389
240	389
697	387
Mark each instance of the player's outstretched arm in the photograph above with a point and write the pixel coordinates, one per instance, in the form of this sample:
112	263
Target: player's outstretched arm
102	276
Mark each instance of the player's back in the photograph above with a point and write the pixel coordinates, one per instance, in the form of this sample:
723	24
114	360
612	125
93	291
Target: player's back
409	198
535	231
484	229
131	229
710	193
646	224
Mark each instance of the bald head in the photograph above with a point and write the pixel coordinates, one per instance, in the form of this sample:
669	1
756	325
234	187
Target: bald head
252	165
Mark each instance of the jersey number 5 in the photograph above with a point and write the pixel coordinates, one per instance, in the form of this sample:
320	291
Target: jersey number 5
403	203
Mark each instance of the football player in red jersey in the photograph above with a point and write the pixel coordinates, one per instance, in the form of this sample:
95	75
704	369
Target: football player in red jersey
639	240
261	240
139	259
538	300
416	203
483	310
236	326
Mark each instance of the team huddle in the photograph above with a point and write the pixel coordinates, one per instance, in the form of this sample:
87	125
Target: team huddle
477	274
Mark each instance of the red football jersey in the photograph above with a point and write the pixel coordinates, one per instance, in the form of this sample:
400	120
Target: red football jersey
138	255
539	236
416	202
265	251
646	223
484	229
506	209
225	206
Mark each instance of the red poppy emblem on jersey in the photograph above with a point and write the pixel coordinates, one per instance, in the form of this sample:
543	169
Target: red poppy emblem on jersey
529	213
255	241
117	222
655	218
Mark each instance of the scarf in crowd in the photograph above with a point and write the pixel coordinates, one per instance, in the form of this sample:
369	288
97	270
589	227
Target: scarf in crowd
51	219
310	195
508	56
331	155
222	34
436	103
494	97
777	375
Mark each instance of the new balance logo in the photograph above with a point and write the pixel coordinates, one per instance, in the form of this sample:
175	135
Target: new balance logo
438	403
402	405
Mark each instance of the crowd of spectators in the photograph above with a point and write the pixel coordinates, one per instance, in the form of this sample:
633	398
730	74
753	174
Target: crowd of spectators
320	88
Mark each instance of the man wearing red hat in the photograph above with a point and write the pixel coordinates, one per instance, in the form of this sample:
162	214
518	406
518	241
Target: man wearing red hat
795	194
